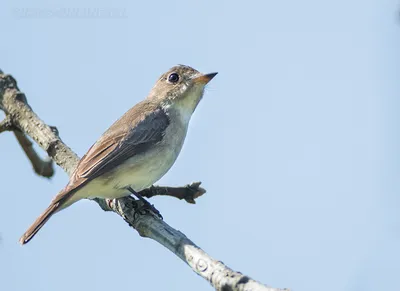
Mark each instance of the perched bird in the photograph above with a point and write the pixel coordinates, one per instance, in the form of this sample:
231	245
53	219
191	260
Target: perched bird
138	149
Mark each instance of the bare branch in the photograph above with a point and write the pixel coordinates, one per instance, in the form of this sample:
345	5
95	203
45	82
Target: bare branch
6	125
14	103
220	276
41	167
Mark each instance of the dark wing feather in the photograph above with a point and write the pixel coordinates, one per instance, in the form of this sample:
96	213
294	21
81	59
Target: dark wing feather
131	135
137	140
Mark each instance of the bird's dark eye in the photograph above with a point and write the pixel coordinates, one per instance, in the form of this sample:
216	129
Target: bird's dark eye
173	78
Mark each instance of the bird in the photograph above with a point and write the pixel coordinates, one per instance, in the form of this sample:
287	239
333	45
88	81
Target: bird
138	149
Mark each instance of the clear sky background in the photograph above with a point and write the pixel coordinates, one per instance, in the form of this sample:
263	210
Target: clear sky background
296	140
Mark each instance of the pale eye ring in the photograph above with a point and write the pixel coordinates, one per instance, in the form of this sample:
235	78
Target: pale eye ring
173	78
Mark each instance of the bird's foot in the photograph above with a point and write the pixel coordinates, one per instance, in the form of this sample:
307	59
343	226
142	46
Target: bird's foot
146	206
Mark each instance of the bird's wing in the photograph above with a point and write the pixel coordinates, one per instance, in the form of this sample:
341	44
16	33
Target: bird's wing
133	134
114	150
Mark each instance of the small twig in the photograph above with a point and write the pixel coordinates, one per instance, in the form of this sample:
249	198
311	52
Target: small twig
189	192
41	167
6	124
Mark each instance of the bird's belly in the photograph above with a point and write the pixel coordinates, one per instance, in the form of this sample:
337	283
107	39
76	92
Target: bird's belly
143	171
138	172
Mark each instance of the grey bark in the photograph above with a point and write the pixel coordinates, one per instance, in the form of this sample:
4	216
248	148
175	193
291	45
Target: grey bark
22	119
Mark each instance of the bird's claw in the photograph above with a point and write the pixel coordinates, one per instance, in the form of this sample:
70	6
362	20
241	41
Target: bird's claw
146	207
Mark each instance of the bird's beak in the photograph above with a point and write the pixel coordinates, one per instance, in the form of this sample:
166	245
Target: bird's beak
204	79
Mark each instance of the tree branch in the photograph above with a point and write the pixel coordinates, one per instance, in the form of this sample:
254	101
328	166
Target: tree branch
6	125
41	167
222	278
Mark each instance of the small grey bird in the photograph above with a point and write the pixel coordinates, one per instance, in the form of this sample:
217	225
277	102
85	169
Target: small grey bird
138	149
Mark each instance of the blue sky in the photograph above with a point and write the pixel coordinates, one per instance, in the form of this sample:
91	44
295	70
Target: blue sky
296	140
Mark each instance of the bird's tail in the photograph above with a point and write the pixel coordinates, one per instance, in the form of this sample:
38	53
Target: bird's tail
61	201
39	222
